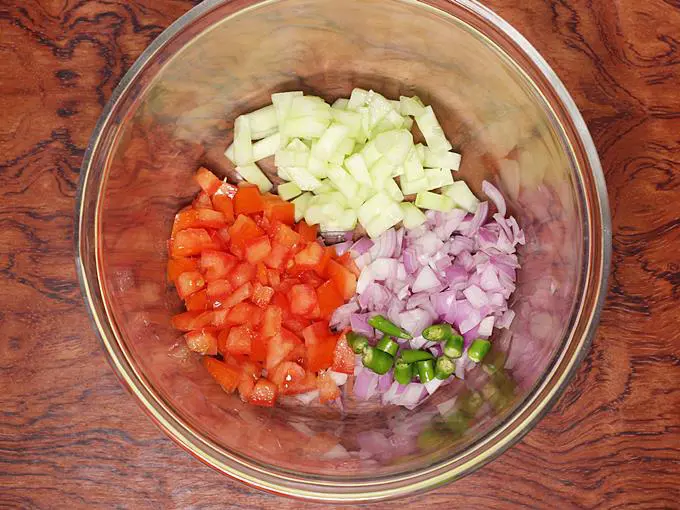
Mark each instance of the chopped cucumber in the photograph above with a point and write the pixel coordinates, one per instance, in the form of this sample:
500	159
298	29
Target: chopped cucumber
387	218
305	127
371	154
373	207
448	160
266	147
343	181
243	143
413	217
392	189
434	201
340	103
413	167
301	203
462	196
263	122
394	145
357	99
409	187
432	131
252	173
438	177
329	141
412	106
351	120
305	180
356	166
326	187
289	190
380	172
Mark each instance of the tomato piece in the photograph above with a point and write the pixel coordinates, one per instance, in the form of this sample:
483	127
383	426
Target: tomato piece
282	302
271	324
274	278
202	201
302	299
343	278
218	289
228	376
217	264
188	283
202	341
262	295
183	321
312	279
328	255
245	313
184	219
277	256
286	375
286	236
298	355
224	205
328	390
243	273
241	294
244	229
279	347
207	180
310	256
207	218
259	347
261	273
239	340
250	373
248	200
320	355
278	210
197	301
343	356
347	261
191	241
329	299
307	384
295	323
288	284
258	249
264	393
181	265
316	333
227	189
307	232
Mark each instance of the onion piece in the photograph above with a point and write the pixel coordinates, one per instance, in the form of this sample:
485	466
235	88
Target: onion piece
496	197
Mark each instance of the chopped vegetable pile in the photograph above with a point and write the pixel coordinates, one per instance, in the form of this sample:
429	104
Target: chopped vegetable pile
259	290
341	161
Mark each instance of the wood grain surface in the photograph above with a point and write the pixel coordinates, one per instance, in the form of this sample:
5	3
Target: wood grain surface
71	437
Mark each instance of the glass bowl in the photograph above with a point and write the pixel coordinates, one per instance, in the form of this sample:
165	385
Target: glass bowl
501	106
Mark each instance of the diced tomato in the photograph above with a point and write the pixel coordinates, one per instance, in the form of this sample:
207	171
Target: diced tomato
286	236
295	323
258	348
274	278
248	200
226	375
347	261
258	249
278	210
239	340
298	355
183	321
310	257
308	233
217	264
225	205
328	390
307	384
181	265
222	337
271	325
277	256
245	313
186	218
223	235
218	289
287	375
207	180
343	357
219	317
228	190
191	241
262	295
320	355
302	299
202	201
282	302
197	301
316	333
344	279
243	273
264	394
261	273
244	229
241	294
188	283
329	299
279	347
250	373
288	284
203	341
207	218
312	279
328	255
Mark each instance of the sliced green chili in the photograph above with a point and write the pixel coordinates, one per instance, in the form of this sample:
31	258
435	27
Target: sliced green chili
425	370
403	372
453	347
444	367
414	355
438	332
357	342
378	361
478	349
388	345
389	328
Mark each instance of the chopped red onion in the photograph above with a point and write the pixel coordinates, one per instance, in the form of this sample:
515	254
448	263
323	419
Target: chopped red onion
476	296
338	377
359	324
342	248
425	280
433	385
486	326
415	321
496	197
366	384
361	246
385	381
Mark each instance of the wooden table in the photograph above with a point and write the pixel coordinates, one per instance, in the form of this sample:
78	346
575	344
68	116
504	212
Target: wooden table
71	437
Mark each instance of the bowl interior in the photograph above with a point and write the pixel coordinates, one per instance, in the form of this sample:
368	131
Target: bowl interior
497	110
